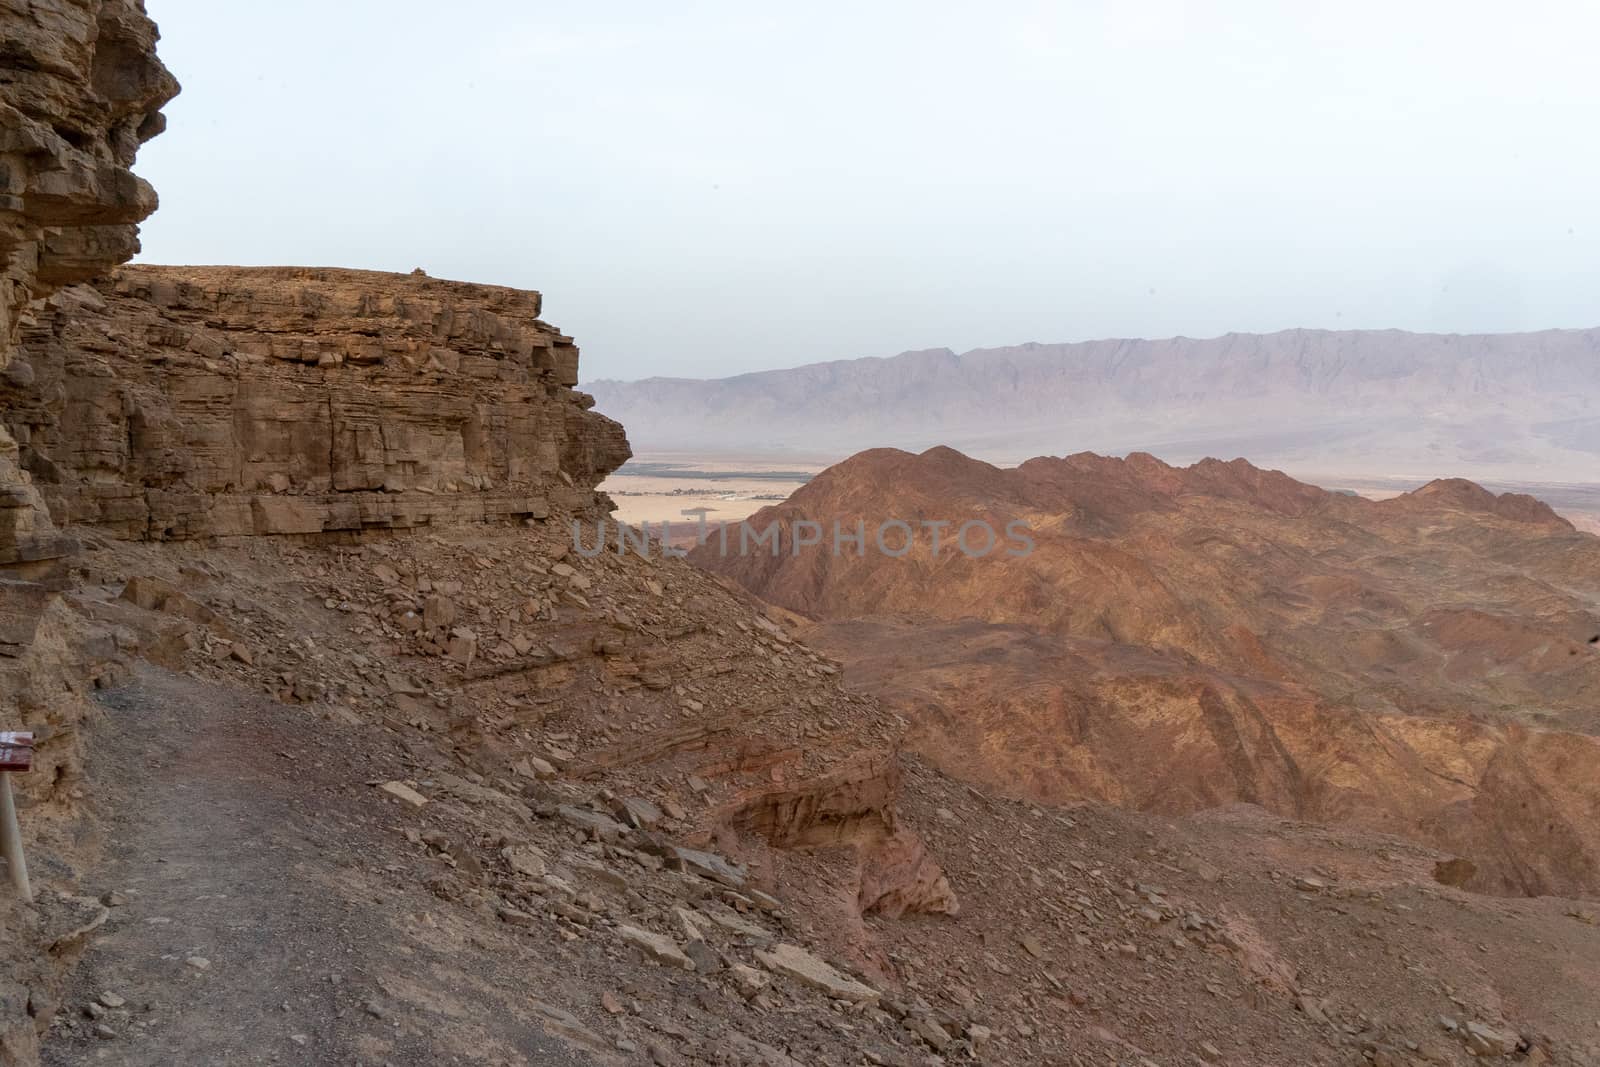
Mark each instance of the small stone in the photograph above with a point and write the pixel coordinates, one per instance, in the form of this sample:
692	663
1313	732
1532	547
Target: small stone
199	963
601	826
374	1009
929	1030
514	917
404	792
1485	1040
762	900
611	1004
707	960
747	980
110	999
1312	1007
104	1032
462	646
658	947
707	865
403	685
797	963
638	812
438	612
525	860
536	768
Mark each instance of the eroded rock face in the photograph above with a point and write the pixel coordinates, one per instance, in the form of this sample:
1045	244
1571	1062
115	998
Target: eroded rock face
854	808
81	89
169	403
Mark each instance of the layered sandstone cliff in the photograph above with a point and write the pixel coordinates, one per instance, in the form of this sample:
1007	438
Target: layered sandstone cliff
80	90
177	402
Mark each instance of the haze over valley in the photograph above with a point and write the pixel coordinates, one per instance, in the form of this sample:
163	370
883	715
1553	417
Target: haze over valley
1511	407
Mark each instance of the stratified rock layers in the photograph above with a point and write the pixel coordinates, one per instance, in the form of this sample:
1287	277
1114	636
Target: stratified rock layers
80	90
177	402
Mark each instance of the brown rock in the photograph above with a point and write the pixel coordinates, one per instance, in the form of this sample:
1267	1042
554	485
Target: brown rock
82	90
462	646
795	962
438	612
401	791
299	401
747	980
658	947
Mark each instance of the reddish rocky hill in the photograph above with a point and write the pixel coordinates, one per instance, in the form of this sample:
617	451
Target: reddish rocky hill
1182	638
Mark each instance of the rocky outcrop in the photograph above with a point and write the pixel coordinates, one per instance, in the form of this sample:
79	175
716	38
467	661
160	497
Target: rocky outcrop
854	808
168	403
80	90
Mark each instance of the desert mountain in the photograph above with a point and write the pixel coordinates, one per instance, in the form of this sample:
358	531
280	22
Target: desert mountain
343	754
1514	406
1184	638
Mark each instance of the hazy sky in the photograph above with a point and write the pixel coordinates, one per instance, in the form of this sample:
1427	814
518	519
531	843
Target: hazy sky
708	188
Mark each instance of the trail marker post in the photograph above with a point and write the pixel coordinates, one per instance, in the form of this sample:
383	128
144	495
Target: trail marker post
16	757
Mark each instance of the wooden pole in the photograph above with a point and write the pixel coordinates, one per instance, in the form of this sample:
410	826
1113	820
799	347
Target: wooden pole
11	840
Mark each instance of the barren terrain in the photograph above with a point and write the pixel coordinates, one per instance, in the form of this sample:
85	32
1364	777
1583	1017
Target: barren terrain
1182	638
525	897
347	754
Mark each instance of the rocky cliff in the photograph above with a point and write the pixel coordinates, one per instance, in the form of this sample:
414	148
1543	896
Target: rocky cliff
80	90
168	403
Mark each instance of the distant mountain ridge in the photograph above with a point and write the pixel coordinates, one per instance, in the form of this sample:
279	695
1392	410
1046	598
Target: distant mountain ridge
1488	403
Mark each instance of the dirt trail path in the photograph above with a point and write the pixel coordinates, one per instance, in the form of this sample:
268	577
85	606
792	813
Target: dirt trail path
251	864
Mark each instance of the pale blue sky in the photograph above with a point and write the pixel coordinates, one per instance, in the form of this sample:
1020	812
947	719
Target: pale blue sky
708	188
